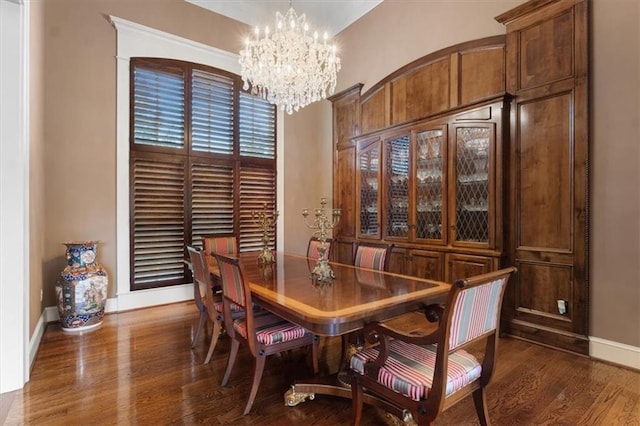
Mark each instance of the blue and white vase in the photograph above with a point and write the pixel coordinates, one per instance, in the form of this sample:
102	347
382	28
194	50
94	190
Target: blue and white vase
82	288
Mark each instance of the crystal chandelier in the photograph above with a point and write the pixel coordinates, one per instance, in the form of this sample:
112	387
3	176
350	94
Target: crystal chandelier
289	67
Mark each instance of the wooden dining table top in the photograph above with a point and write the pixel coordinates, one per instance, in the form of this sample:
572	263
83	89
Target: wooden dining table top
354	297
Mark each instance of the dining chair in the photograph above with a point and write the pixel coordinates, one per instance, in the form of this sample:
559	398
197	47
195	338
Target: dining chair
199	289
263	332
211	302
222	244
372	255
427	374
312	248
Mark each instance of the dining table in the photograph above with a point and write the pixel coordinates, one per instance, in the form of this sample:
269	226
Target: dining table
336	307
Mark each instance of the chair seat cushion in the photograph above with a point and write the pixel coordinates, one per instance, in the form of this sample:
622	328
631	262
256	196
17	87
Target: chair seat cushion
270	328
409	368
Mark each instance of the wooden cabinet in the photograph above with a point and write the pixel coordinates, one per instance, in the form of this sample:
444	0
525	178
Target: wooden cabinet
461	266
434	187
547	70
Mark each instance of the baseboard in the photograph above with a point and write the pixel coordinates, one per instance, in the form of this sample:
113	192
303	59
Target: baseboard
614	352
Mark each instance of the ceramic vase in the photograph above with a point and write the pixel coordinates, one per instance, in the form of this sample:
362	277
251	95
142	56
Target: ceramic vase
82	288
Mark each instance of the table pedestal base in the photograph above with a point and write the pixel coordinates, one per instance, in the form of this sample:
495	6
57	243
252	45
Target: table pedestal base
331	385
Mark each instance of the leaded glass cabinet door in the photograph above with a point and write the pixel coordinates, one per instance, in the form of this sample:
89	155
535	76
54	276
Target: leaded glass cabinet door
430	202
473	199
397	186
368	181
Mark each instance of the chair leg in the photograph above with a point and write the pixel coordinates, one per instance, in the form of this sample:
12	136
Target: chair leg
315	349
215	334
203	318
257	377
481	407
356	400
230	361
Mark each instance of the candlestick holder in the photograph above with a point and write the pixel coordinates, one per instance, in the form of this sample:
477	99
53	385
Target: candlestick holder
321	225
266	220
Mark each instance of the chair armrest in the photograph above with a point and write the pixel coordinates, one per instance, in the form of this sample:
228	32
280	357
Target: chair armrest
381	334
434	313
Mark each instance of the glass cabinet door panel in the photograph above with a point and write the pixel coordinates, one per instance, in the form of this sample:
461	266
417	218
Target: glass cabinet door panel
397	184
429	185
369	168
473	146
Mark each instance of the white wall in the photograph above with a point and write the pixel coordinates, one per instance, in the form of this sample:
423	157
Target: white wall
14	172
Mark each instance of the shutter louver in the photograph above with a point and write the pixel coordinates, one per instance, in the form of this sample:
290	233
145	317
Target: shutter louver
257	187
257	127
158	108
158	222
212	113
211	201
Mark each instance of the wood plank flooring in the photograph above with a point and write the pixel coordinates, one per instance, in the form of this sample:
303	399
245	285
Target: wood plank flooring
138	368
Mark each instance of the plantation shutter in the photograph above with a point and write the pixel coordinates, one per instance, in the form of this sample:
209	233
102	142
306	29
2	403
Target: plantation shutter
257	187
158	107
211	200
158	220
202	159
257	127
211	113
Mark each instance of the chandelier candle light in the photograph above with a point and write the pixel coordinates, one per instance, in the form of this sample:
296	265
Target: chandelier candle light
266	222
289	67
322	224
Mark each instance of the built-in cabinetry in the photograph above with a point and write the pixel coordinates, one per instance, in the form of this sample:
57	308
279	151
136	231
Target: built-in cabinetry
432	188
547	70
476	157
418	161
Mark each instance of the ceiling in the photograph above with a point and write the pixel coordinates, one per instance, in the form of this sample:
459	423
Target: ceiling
331	16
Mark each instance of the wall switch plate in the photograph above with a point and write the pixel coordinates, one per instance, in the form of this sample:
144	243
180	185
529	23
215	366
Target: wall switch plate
562	306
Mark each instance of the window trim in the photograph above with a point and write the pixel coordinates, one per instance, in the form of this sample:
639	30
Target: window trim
138	40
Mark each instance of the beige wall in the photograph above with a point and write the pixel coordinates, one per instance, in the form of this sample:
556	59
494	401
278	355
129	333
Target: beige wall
78	132
615	200
36	165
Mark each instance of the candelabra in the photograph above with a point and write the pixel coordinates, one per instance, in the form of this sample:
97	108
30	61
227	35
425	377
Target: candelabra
266	221
320	225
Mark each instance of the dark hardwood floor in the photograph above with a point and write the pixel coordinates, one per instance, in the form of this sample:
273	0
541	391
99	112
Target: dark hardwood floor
138	368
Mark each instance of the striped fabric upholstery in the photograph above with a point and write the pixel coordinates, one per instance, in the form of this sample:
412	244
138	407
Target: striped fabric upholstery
475	312
409	368
232	283
218	306
370	257
270	328
220	245
313	252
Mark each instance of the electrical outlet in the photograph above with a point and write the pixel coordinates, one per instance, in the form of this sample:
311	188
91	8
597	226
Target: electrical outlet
562	306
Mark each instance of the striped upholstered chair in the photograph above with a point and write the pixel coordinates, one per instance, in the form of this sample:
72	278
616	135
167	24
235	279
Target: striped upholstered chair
221	244
208	302
372	256
426	374
262	332
312	248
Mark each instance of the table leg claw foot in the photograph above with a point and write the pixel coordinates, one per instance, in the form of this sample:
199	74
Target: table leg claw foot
293	398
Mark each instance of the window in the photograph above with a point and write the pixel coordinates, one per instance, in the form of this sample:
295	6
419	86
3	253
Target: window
202	158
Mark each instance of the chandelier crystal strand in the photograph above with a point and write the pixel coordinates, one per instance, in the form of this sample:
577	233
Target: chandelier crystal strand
289	67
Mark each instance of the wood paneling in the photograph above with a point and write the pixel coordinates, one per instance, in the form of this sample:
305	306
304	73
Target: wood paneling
541	286
481	74
547	68
545	162
374	111
546	51
421	93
